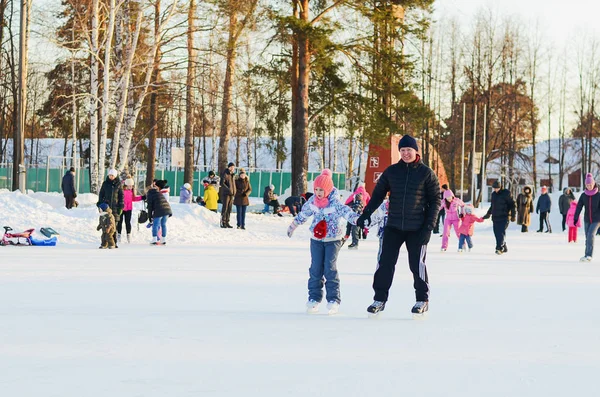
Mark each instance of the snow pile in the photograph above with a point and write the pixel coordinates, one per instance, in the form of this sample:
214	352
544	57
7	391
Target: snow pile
190	223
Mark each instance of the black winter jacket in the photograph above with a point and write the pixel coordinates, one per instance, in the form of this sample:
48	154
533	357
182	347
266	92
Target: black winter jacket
592	208
68	184
157	204
111	193
414	196
503	206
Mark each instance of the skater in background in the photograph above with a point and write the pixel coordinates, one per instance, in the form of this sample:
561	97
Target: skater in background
294	204
185	194
360	189
326	209
543	207
590	200
210	178
453	206
572	223
159	211
68	188
524	209
564	204
357	205
241	201
502	210
270	199
226	194
379	219
467	228
106	223
111	193
414	203
128	198
442	213
211	197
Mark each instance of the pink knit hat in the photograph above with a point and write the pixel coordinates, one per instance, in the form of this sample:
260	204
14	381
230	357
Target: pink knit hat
324	181
589	179
448	194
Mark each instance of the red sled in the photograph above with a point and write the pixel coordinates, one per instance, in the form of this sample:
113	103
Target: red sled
9	238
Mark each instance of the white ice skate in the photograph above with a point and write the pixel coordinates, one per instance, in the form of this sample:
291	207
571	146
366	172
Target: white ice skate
333	307
585	259
312	307
420	309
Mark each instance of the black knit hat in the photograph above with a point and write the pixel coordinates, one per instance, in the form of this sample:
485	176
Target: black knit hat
161	184
408	141
230	165
496	185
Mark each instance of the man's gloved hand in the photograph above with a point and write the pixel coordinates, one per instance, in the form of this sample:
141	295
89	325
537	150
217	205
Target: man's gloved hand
486	216
513	218
291	228
98	228
74	195
461	216
424	235
364	220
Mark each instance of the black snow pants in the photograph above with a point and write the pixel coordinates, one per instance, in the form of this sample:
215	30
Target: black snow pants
388	256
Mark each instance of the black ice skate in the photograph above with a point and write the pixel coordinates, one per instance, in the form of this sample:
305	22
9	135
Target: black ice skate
375	308
353	246
420	308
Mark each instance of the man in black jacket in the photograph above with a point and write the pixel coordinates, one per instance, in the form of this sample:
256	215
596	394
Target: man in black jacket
226	194
414	203
501	209
68	188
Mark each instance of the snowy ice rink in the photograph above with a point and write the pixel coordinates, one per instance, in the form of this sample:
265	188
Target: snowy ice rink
221	313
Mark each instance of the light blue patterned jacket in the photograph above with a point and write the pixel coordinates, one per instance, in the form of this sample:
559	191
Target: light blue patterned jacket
332	214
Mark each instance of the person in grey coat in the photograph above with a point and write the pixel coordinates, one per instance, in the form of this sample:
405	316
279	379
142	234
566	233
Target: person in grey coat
564	203
68	188
543	207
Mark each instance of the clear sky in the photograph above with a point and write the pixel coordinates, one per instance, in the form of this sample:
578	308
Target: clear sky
558	20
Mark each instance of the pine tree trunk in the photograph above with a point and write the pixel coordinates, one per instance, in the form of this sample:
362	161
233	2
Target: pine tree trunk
227	88
300	112
188	174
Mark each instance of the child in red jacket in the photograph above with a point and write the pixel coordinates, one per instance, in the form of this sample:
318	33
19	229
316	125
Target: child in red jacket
571	222
467	227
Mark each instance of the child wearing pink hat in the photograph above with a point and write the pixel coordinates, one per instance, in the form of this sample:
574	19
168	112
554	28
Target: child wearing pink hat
590	200
452	205
326	209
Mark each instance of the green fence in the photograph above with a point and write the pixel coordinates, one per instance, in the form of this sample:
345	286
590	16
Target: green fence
43	179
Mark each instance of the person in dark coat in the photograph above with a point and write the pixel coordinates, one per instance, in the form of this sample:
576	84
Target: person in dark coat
270	199
502	209
159	211
524	209
590	200
111	193
226	194
68	188
241	201
442	213
564	203
543	207
294	204
413	207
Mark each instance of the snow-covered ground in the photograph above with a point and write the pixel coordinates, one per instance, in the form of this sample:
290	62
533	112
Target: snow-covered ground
221	313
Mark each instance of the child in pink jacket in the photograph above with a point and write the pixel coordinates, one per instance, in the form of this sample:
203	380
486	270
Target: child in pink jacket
571	222
128	198
467	227
452	206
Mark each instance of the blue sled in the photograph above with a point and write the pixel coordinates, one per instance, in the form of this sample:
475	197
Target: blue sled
51	242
